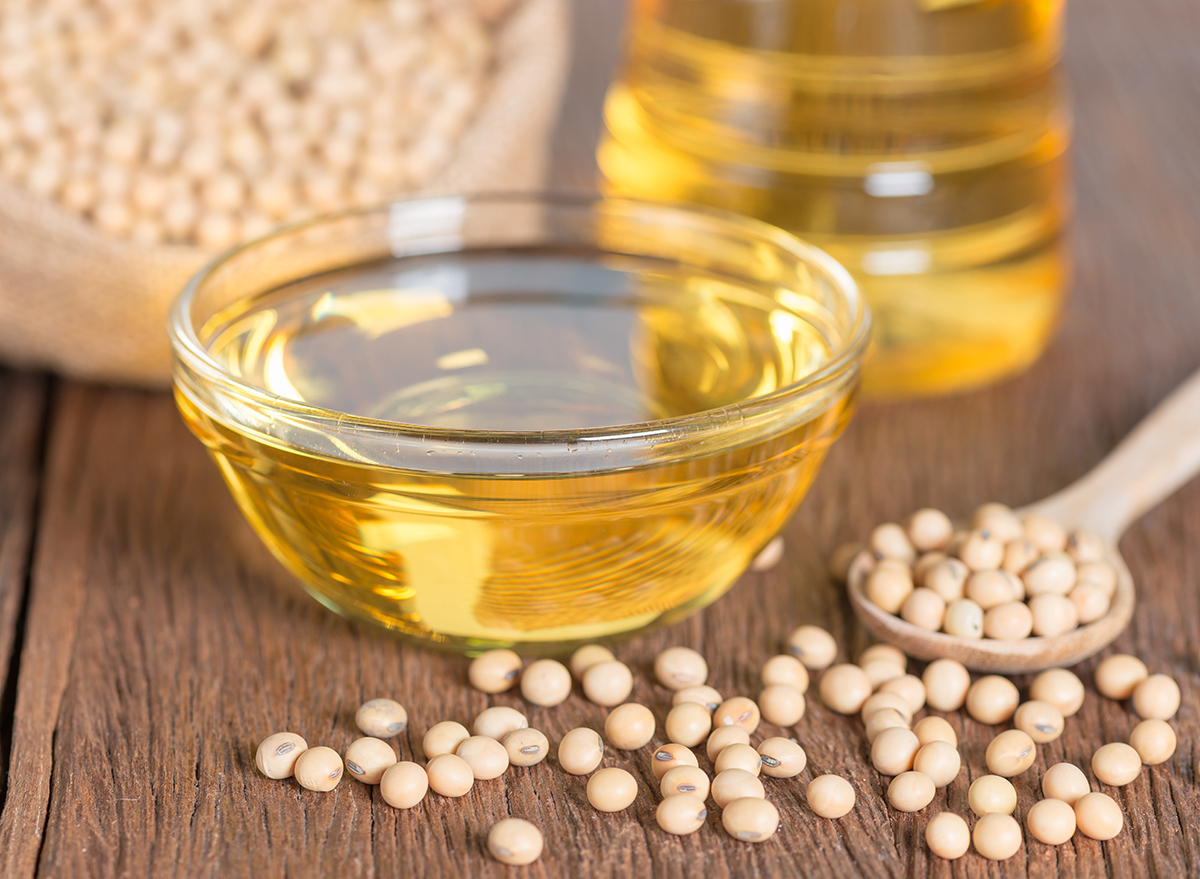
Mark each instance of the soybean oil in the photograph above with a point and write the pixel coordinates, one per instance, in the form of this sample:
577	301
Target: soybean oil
920	142
524	341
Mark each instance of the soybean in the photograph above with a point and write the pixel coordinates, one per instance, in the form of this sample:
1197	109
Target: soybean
948	578
381	718
738	711
498	721
608	683
1044	533
685	780
946	684
1119	675
813	646
486	757
1066	782
928	529
948	836
830	796
1041	721
629	726
580	751
911	791
1156	698
963	619
669	756
738	756
880	671
688	723
894	751
444	738
781	705
889	541
1098	816
750	819
845	688
982	550
724	736
546	682
702	695
734	784
940	761
1051	821
515	841
368	758
885	718
681	813
935	729
611	790
888	587
909	688
1117	764
786	670
998	519
494	671
992	699
1154	740
403	785
277	754
1059	687
587	656
526	747
450	775
1010	753
782	758
319	769
1010	621
991	793
679	667
1053	573
925	609
880	701
1053	615
884	653
997	836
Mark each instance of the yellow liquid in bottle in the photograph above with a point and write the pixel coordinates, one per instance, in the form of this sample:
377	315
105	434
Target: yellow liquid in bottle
922	144
517	340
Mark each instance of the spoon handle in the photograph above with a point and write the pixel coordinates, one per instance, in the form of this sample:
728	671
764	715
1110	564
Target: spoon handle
1147	466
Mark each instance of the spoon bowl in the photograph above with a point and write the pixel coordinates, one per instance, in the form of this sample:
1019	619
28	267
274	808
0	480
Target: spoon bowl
987	654
1155	459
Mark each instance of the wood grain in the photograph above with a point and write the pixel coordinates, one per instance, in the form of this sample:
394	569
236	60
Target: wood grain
162	641
22	404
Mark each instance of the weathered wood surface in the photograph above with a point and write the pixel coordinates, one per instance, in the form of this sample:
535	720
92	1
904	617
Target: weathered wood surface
161	641
22	405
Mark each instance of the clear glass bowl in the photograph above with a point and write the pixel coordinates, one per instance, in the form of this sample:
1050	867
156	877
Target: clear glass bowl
461	468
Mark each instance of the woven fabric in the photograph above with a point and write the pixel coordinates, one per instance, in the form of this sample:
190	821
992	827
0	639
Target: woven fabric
79	302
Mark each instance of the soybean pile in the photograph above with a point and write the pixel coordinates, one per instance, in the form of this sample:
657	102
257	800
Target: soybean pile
914	754
205	123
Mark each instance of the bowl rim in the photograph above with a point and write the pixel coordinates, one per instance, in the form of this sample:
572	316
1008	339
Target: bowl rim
189	351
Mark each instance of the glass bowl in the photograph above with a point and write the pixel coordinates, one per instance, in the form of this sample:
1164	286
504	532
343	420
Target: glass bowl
529	421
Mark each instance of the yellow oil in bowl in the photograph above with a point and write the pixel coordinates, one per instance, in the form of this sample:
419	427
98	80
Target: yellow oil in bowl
572	435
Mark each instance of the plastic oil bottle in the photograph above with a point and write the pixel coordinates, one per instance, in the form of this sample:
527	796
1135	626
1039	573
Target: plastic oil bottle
921	142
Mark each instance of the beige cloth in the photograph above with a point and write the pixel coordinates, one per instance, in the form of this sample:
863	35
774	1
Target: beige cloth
89	306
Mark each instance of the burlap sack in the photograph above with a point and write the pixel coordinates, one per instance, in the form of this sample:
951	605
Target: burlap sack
84	304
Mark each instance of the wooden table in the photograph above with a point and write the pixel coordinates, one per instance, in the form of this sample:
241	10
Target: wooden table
147	640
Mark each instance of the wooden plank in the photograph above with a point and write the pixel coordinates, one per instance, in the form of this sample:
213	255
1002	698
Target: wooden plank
163	641
55	597
22	402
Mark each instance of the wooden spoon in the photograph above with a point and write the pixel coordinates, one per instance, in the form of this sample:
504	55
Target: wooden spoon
1155	459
